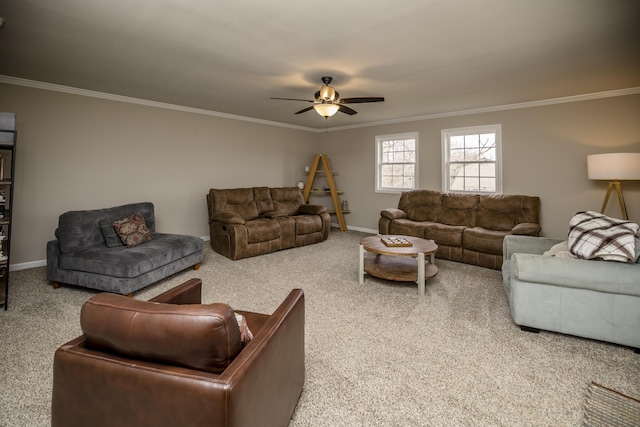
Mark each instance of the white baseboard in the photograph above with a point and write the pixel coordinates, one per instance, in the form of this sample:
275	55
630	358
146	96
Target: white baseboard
26	265
364	230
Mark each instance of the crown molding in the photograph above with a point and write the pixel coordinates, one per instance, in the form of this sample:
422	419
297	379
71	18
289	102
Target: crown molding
120	98
531	104
102	95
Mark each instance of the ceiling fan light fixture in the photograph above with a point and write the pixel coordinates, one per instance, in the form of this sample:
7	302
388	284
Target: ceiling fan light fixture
327	93
326	109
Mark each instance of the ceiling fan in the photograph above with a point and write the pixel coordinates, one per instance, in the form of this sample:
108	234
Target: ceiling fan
328	102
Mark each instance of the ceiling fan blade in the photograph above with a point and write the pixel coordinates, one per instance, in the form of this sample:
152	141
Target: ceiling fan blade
347	110
293	99
304	110
361	100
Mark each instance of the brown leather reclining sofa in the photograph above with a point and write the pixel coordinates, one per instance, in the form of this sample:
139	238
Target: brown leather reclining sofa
172	361
466	227
245	222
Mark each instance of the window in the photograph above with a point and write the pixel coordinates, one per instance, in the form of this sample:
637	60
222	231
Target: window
472	160
397	162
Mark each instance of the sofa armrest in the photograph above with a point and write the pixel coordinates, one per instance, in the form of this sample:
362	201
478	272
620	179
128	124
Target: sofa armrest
227	218
526	244
393	213
596	275
190	292
269	372
312	209
526	229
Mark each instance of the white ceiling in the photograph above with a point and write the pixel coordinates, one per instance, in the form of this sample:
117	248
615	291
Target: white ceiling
425	57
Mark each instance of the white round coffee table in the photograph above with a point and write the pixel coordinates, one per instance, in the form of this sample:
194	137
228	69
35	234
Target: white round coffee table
399	263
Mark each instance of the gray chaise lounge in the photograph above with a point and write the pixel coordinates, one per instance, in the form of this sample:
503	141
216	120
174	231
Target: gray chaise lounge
80	256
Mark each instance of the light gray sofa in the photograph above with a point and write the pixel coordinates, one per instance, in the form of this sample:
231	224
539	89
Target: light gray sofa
80	256
588	298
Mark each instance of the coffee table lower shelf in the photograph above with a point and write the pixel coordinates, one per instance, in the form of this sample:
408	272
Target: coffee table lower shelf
400	269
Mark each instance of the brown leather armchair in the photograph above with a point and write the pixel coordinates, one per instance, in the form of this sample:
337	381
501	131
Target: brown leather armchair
173	361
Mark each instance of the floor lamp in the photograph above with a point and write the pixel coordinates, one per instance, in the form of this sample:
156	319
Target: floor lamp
614	167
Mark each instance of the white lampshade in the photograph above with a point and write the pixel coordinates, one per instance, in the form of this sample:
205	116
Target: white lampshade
611	166
326	110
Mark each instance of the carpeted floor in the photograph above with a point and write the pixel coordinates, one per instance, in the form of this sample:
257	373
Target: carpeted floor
377	354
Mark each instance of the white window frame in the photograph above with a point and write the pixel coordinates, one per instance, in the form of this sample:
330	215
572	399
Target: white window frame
380	139
471	130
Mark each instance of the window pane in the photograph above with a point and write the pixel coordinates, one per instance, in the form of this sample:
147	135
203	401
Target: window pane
471	141
457	183
456	155
488	170
472	169
471	154
487	184
396	165
408	182
488	154
471	159
471	184
456	142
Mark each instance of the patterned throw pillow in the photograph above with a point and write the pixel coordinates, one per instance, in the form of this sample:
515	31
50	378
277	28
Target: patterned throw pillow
245	332
132	230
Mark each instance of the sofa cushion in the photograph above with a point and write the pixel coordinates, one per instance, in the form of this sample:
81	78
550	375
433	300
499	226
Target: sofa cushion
199	336
306	224
503	212
458	209
235	200
482	240
132	262
407	227
132	230
287	199
262	230
443	234
421	205
81	229
262	197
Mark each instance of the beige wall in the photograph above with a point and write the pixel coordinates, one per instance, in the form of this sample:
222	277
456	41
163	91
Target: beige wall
78	152
544	152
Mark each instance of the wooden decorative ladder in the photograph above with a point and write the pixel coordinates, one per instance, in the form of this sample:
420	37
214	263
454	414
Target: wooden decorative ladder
326	168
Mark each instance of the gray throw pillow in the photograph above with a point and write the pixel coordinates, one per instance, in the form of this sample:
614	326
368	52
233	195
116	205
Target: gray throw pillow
111	238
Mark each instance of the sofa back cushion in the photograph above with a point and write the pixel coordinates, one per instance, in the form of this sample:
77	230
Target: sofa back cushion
262	196
235	200
458	209
287	199
78	230
503	212
198	336
421	205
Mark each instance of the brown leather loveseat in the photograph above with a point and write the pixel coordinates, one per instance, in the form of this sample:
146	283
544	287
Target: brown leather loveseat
466	227
245	222
172	361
